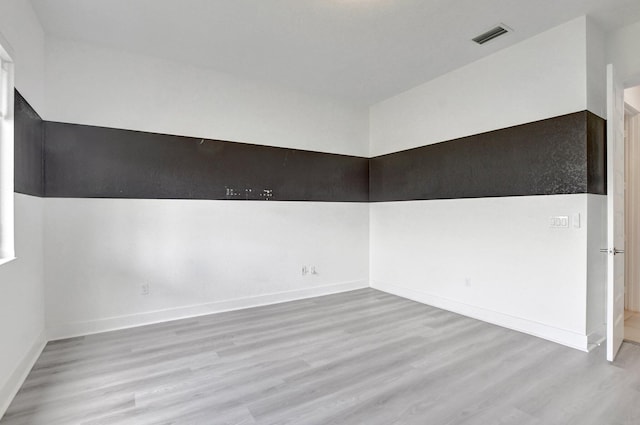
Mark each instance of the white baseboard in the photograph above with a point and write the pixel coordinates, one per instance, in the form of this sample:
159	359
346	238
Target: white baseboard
558	335
20	372
596	339
74	329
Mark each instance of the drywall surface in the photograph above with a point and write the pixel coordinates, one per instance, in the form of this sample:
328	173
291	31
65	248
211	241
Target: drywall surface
496	259
21	300
632	212
632	97
20	27
21	281
196	256
541	77
622	48
596	69
596	267
90	85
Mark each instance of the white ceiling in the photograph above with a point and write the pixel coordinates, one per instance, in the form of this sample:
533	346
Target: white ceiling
361	51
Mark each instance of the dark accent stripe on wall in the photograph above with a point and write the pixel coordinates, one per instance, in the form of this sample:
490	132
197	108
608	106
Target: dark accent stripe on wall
596	154
95	162
561	155
28	149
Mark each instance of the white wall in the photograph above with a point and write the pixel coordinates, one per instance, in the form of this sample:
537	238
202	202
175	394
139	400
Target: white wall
622	50
87	84
20	26
21	290
496	259
198	257
22	300
632	97
632	211
523	274
596	219
596	70
541	77
596	268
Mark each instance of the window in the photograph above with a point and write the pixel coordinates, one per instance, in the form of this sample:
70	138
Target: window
7	249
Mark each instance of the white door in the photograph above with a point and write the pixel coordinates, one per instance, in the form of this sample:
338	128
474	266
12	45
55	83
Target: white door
615	214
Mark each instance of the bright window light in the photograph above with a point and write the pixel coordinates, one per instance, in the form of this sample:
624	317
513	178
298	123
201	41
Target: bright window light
7	248
4	88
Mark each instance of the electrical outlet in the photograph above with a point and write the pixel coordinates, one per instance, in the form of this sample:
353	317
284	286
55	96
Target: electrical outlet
305	270
313	270
144	289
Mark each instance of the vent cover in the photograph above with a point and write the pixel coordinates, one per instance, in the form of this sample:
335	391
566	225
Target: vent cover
491	34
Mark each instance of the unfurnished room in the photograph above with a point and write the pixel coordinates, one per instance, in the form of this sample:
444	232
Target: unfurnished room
316	212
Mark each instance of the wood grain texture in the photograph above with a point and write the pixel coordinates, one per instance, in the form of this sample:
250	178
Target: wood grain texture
362	357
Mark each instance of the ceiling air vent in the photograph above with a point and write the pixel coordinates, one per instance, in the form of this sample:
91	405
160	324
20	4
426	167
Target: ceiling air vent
491	34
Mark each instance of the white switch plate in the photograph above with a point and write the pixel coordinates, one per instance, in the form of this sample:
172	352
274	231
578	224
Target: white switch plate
576	220
559	221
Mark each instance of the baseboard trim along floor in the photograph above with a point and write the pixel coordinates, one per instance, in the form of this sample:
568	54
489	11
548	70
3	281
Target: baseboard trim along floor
56	331
541	330
9	390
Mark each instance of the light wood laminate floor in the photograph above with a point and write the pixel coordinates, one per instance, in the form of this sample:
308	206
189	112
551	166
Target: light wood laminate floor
362	357
632	326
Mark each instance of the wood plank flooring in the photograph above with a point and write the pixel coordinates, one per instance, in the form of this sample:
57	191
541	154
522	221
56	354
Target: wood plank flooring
632	326
362	357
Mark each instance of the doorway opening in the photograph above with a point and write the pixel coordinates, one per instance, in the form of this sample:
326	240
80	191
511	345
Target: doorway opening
632	214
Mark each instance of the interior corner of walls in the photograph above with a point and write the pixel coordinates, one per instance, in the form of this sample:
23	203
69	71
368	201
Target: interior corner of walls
596	62
551	333
12	385
596	338
6	45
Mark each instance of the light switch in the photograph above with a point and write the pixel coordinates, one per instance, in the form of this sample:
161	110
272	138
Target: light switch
559	221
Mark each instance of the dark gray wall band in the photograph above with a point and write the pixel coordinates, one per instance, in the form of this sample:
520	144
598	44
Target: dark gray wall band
596	154
561	155
28	149
95	162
